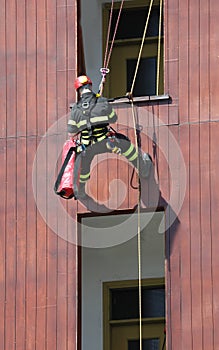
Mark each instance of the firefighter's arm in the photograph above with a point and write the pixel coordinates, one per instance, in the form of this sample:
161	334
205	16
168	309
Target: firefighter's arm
103	113
112	116
76	123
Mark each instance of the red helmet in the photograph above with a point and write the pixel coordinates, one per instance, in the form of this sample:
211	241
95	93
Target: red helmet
82	80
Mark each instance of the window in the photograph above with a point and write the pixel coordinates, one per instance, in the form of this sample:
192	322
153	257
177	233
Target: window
123	62
121	309
153	302
109	306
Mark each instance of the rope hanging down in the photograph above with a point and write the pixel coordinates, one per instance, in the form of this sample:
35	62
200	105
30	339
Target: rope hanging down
134	116
139	185
158	49
130	96
141	48
108	51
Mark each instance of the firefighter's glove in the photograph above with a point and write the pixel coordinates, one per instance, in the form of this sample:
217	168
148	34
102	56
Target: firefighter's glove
116	150
112	147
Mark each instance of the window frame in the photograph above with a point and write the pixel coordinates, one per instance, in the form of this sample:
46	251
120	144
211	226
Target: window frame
127	42
108	323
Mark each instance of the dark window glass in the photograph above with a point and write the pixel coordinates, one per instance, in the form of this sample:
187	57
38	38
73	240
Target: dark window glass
125	303
145	83
147	344
132	23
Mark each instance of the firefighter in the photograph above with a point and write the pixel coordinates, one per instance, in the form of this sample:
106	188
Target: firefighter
91	117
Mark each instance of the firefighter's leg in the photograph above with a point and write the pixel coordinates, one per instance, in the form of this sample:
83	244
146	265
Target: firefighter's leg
129	151
86	160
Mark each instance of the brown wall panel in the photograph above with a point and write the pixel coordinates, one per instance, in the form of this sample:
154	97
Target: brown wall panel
72	22
21	248
183	338
3	80
204	60
11	78
38	270
31	254
214	164
51	28
183	61
191	310
52	244
41	73
198	79
51	325
213	53
72	296
194	60
3	175
171	60
206	236
62	67
62	294
31	67
41	270
195	232
10	245
20	106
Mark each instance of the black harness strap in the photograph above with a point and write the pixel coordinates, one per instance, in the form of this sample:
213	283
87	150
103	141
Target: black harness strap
61	172
86	108
164	342
77	167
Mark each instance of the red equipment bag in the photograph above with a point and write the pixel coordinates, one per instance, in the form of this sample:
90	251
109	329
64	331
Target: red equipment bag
65	184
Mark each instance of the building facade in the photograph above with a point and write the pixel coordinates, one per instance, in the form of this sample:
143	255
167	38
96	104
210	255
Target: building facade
46	270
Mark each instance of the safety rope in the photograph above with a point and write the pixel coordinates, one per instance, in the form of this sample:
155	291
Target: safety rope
141	47
130	96
108	34
108	51
138	223
158	50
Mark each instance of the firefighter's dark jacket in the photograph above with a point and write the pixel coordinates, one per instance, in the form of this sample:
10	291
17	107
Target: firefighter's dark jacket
89	112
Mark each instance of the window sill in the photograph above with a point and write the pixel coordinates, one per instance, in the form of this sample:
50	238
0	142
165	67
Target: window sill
136	321
155	98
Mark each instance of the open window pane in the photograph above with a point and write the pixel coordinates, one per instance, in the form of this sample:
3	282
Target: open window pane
133	21
126	50
145	84
153	303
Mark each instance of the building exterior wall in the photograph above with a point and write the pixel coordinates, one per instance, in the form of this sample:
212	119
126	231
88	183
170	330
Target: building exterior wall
38	272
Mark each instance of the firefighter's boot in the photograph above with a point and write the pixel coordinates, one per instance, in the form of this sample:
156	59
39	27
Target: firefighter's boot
145	165
81	193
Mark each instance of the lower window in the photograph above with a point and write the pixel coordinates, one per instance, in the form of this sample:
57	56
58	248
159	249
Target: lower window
121	315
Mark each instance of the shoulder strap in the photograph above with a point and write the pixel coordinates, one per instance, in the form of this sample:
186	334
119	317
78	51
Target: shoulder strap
86	108
61	172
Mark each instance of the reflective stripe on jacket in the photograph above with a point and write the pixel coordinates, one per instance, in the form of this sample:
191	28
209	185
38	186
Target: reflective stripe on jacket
90	111
97	134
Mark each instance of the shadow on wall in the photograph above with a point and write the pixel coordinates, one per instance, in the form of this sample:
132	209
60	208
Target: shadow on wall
152	199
